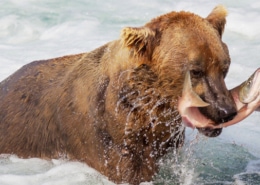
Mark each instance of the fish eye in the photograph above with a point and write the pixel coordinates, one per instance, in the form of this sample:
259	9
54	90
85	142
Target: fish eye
249	82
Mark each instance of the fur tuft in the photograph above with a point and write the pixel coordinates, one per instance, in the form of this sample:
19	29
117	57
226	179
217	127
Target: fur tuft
220	11
137	38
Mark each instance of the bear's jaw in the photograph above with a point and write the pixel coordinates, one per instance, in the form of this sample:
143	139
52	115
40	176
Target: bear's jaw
192	117
188	107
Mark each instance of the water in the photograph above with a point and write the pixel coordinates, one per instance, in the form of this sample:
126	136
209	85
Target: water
41	29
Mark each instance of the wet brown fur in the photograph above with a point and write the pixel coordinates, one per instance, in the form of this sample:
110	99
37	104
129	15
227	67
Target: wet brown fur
115	107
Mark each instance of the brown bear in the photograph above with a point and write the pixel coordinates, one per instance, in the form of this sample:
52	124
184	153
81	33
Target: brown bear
115	108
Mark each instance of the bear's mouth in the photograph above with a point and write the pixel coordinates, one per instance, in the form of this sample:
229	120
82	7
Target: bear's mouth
188	107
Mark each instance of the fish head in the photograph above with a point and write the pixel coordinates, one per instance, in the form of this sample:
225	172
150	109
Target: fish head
249	90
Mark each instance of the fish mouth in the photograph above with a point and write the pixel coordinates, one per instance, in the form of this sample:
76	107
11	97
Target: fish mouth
188	107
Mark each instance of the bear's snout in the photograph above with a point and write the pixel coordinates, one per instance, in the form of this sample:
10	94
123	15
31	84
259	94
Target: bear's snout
220	110
226	109
226	114
222	107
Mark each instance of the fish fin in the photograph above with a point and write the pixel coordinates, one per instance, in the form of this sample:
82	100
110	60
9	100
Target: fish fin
194	99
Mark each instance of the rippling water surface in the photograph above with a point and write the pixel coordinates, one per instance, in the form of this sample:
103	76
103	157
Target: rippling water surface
41	29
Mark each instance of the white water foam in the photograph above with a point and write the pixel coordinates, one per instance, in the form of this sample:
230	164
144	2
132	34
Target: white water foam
14	170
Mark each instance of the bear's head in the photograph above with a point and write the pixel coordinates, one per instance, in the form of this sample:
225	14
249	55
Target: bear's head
177	42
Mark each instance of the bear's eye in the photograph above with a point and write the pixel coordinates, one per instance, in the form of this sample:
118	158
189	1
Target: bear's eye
225	73
196	73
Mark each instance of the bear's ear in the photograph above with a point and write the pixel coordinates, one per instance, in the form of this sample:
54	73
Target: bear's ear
138	39
218	18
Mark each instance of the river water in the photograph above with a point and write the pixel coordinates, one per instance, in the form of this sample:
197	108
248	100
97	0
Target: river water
41	29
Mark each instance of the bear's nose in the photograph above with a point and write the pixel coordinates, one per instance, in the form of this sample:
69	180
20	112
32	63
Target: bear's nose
226	115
